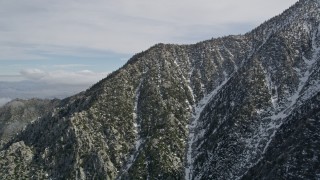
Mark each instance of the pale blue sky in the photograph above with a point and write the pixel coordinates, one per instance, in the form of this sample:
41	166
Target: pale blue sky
68	37
80	59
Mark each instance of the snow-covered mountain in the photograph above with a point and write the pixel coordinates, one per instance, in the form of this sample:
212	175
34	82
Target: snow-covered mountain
237	107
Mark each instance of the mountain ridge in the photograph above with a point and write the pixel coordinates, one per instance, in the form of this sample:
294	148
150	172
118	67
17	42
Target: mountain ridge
211	110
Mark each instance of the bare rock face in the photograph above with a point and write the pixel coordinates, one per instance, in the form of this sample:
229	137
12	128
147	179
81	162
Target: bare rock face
237	107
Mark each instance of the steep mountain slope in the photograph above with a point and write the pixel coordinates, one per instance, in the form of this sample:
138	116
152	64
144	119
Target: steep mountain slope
226	108
15	115
280	74
294	152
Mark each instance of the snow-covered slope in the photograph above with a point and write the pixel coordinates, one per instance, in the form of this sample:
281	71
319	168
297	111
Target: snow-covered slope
243	106
243	120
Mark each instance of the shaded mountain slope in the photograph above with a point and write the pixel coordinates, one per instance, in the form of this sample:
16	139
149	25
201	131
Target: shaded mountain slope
15	115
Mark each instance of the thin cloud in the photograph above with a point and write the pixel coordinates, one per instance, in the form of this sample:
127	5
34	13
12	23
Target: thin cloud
39	83
84	77
123	26
34	74
11	78
65	66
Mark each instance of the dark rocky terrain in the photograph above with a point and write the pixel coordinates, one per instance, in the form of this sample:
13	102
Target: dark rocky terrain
236	107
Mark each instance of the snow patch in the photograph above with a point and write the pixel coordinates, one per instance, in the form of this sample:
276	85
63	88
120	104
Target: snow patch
268	131
277	119
136	124
232	57
304	77
273	90
193	135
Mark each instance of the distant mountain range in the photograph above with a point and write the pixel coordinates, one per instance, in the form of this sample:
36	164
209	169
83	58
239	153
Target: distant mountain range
236	107
29	89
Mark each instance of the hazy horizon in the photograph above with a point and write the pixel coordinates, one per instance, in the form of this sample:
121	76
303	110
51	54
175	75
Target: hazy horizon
65	47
